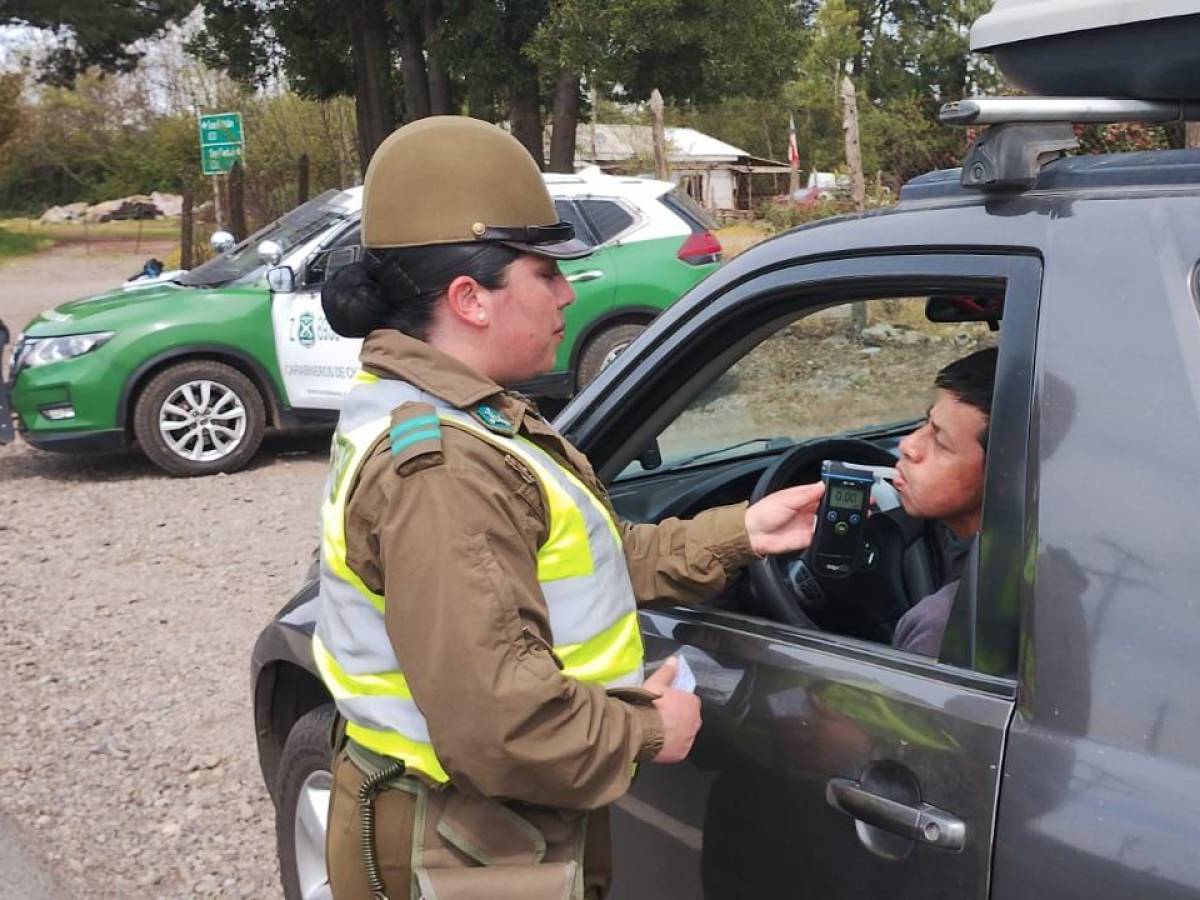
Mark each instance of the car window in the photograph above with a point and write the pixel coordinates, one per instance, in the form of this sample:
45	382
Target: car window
608	218
759	385
862	370
343	249
697	217
569	212
859	368
241	264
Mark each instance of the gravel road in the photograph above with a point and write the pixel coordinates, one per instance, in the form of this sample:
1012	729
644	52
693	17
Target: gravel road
129	603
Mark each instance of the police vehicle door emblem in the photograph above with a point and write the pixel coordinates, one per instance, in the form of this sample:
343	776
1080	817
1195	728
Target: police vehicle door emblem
306	331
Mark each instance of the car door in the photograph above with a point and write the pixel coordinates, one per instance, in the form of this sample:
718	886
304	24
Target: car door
827	766
593	279
316	362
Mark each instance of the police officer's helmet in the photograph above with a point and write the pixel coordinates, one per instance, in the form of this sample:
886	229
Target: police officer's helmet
457	180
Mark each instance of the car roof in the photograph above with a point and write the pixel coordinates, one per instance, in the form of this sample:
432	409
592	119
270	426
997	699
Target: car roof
935	214
592	181
1140	170
589	181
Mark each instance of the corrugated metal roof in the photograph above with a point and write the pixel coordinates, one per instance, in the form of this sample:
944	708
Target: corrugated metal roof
615	142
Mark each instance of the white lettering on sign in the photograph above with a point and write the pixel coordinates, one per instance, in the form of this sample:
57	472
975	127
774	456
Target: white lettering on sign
346	372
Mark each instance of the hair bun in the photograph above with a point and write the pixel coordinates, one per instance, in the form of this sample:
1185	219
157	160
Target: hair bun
353	301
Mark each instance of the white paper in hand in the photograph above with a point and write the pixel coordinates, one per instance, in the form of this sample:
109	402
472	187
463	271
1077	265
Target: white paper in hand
685	680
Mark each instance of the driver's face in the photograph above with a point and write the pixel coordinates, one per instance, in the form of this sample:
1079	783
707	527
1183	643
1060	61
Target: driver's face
940	473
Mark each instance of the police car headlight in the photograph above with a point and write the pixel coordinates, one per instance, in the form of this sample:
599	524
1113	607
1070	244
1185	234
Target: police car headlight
43	351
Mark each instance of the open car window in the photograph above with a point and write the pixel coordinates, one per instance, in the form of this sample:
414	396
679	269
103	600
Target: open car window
864	369
856	375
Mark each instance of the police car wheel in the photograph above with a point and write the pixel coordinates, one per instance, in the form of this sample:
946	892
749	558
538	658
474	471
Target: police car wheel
603	348
199	418
301	814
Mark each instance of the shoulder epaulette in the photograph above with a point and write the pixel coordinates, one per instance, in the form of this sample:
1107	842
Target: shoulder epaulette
415	432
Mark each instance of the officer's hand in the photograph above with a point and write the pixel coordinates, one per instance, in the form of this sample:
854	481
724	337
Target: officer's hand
680	712
783	522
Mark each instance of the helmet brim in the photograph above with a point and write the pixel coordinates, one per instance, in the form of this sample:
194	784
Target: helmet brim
570	249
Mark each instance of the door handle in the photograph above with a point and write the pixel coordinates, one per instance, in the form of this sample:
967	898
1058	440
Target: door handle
589	275
920	822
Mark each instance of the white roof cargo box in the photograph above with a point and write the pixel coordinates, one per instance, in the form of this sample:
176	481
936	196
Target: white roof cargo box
1148	49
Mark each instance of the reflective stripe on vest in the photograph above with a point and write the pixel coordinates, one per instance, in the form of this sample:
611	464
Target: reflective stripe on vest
581	570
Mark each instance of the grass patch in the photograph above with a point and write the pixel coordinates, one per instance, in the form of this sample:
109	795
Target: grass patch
124	230
18	244
742	236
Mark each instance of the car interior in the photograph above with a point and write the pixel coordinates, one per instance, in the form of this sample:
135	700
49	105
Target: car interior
844	381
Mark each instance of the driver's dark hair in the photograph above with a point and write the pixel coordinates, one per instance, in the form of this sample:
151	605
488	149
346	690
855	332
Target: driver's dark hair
400	287
972	380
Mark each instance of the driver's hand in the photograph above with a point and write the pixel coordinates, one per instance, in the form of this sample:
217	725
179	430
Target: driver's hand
783	522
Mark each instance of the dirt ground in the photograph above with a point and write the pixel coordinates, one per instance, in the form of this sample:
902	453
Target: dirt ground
129	604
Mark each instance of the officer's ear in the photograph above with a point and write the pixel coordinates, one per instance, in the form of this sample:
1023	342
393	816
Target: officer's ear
468	301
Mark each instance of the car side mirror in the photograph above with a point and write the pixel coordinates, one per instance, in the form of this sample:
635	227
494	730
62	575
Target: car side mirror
221	241
281	280
650	458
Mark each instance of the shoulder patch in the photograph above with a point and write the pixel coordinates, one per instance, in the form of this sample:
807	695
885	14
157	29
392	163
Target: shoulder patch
416	432
493	420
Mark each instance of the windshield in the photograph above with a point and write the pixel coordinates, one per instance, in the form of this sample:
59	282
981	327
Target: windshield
242	264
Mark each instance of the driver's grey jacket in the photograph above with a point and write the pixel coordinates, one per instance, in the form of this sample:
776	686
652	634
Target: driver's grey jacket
474	635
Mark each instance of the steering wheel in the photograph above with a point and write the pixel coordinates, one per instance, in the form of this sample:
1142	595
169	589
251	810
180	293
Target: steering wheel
865	604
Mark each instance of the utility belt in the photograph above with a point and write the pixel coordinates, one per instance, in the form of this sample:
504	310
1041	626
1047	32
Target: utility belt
466	847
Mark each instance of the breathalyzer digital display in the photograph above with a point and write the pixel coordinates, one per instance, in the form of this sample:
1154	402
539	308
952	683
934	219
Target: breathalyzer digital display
841	520
844	497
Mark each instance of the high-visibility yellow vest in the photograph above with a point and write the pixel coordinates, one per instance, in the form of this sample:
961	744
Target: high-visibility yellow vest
581	569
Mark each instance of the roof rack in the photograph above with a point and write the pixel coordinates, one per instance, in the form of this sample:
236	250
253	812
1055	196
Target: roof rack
1027	133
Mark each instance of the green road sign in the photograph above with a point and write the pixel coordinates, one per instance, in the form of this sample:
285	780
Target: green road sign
218	159
221	142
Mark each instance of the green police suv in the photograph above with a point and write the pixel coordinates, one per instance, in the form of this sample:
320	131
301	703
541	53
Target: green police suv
194	366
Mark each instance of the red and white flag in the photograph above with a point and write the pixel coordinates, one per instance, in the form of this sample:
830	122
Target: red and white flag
793	150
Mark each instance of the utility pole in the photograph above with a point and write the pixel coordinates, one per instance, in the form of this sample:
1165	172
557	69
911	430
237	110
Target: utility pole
858	188
592	99
660	137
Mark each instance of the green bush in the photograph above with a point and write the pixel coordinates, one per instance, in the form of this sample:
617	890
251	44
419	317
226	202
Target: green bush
96	143
780	214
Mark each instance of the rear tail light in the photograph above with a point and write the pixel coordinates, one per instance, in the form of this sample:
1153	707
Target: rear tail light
701	248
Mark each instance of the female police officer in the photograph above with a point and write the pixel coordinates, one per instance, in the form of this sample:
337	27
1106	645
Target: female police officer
477	621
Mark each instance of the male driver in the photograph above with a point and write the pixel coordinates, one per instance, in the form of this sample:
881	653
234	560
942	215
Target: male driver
940	476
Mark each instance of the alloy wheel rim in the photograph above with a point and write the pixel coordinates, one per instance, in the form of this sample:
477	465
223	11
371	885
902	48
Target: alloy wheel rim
311	824
202	421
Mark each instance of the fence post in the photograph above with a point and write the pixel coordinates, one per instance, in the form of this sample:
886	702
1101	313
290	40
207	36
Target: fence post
186	230
237	201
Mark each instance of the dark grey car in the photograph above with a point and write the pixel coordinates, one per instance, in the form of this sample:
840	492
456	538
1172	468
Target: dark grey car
1054	749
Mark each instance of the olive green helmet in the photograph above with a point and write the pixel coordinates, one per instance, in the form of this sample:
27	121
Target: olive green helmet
457	180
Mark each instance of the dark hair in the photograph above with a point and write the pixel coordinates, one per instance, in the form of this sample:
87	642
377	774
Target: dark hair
400	287
972	380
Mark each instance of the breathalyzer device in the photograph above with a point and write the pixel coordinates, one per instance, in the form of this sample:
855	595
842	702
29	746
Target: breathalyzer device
841	520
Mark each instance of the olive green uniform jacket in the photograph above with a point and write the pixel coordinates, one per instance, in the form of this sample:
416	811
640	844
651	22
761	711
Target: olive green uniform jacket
450	537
